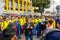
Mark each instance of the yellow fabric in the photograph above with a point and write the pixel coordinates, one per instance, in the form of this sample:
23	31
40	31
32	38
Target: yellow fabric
48	18
21	21
32	20
13	20
54	24
37	20
24	19
1	17
1	24
5	24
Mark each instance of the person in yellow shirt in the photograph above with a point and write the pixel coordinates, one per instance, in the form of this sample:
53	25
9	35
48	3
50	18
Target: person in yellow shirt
37	19
13	19
24	19
6	22
21	21
1	23
53	23
32	20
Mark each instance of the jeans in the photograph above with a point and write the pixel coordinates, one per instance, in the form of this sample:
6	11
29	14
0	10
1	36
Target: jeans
38	34
29	36
18	34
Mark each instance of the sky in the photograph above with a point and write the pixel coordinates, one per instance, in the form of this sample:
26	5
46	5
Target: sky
56	2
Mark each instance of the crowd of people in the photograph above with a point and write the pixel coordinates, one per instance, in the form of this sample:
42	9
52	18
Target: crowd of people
28	25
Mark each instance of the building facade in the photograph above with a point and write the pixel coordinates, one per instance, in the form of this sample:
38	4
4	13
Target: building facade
18	6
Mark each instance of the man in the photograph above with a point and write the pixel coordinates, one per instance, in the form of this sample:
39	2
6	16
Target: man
8	31
43	18
53	34
57	20
1	25
28	30
58	25
21	20
49	25
53	22
6	22
24	19
37	20
17	27
38	28
12	29
32	19
13	19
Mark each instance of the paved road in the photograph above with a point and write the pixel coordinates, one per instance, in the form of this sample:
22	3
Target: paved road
23	38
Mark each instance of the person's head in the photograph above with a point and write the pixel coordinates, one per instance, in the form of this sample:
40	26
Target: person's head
32	17
51	18
19	16
10	20
49	23
7	19
0	17
24	16
29	16
13	18
43	16
57	17
29	20
16	18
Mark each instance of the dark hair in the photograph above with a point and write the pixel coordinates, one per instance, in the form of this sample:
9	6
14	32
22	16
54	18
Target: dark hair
50	22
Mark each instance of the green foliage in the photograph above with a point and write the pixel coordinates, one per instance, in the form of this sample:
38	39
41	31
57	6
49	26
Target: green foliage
41	4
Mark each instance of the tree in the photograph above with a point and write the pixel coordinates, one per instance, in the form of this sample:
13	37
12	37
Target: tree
41	4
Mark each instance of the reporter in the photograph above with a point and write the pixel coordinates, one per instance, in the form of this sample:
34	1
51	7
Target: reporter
28	30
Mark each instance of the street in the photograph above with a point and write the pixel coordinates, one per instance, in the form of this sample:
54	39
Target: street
23	38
